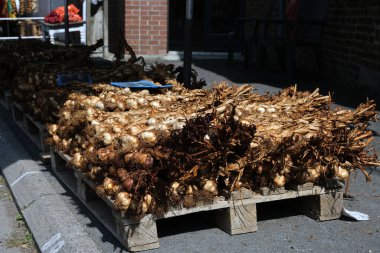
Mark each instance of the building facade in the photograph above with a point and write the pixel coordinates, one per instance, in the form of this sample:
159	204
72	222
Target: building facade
351	37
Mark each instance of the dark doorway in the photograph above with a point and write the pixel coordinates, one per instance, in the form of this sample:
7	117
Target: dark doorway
212	20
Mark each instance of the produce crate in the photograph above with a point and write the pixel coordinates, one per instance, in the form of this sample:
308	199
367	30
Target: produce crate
235	216
5	99
36	131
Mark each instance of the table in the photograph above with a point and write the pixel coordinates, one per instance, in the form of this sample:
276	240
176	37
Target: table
52	29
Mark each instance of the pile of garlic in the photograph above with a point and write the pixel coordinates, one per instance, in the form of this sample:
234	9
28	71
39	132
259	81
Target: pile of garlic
113	136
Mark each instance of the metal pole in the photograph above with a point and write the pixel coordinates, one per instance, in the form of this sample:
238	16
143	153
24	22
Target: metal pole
187	51
67	38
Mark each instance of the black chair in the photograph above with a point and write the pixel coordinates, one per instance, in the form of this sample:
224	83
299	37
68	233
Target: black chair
305	31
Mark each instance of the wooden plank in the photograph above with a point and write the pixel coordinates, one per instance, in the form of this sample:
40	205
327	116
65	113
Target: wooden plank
268	191
302	187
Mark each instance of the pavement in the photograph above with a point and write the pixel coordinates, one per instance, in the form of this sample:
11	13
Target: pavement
14	235
60	223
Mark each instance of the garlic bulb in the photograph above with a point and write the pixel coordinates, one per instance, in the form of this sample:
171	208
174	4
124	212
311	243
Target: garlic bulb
142	101
174	188
178	125
343	173
221	109
148	199
52	129
210	186
313	174
117	128
260	109
107	138
125	91
108	121
122	120
136	130
144	92
189	190
95	122
108	183
56	138
144	207
77	160
121	105
99	105
238	112
152	121
123	199
155	104
129	141
162	127
131	103
148	137
66	115
279	181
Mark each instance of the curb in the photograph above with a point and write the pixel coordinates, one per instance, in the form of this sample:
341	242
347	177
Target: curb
53	225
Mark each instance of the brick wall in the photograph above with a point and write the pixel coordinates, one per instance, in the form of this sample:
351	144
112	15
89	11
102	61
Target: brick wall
146	26
351	43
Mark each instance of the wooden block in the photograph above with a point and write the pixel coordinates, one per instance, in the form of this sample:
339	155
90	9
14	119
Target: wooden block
139	236
237	219
57	163
265	191
323	207
84	191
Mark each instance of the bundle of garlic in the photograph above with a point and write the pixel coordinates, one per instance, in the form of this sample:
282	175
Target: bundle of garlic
150	152
34	60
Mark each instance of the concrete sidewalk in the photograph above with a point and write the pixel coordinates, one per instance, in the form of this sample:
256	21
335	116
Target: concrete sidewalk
59	222
14	235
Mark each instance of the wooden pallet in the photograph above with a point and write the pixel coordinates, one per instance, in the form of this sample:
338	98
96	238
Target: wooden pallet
5	99
235	216
35	131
